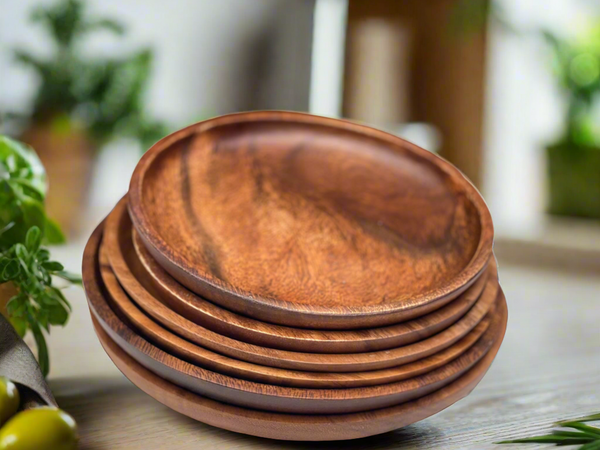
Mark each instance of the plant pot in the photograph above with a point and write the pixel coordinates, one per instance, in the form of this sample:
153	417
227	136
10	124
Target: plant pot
67	154
574	180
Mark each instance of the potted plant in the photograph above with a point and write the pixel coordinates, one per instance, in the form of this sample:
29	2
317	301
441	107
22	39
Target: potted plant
81	103
574	159
28	295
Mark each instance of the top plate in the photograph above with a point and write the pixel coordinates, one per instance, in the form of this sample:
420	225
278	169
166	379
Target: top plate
308	221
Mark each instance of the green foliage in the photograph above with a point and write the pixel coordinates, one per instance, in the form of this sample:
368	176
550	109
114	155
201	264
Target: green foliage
105	95
24	228
586	436
22	193
577	67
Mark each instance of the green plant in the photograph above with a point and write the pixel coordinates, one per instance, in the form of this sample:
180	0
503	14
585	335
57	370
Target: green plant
577	67
586	436
24	229
103	95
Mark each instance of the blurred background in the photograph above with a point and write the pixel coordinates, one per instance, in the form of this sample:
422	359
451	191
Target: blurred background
506	90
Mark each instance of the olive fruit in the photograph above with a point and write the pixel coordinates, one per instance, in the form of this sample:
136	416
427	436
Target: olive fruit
39	429
9	399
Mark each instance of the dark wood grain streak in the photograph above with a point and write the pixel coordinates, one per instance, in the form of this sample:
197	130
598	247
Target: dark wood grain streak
195	354
308	221
208	250
263	396
298	427
222	321
147	299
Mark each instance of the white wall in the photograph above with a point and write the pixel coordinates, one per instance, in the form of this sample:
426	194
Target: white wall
212	56
524	111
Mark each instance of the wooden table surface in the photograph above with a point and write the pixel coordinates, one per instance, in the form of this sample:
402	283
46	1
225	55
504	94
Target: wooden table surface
547	369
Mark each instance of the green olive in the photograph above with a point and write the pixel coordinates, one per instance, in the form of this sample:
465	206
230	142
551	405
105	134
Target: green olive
9	399
39	429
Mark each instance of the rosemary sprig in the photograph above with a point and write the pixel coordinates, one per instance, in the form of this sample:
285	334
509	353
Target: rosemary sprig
586	436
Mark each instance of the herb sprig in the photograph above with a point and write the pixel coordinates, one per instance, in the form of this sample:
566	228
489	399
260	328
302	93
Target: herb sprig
585	435
24	228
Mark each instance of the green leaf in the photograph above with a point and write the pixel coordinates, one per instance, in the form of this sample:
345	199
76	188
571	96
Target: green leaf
11	271
71	277
57	293
40	342
17	305
583	428
58	314
4	262
52	233
33	239
590	418
591	446
21	252
42	255
33	213
19	324
53	266
25	158
549	439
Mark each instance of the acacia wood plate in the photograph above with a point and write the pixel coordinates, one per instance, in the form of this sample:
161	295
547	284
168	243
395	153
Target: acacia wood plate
308	221
296	427
264	396
147	298
195	354
118	230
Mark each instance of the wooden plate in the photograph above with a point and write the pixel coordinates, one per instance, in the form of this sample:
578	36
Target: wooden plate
296	427
145	269
264	396
195	354
308	221
148	299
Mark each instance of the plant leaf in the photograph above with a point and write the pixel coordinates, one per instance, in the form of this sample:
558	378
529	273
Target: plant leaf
52	233
583	428
33	239
590	418
549	439
19	324
58	314
11	271
40	342
53	266
591	446
71	277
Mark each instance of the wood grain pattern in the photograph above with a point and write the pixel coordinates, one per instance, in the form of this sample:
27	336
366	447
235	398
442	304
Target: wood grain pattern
300	427
263	396
308	221
222	321
195	354
146	298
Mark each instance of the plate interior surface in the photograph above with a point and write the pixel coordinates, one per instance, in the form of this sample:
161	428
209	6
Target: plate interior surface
284	212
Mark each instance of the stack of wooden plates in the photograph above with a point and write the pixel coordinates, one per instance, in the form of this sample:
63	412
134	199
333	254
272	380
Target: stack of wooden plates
296	277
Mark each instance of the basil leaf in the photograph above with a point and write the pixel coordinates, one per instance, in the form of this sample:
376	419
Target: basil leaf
33	239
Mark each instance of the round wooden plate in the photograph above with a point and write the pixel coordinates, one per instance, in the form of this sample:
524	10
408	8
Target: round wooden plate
148	299
117	233
296	427
308	221
195	354
264	396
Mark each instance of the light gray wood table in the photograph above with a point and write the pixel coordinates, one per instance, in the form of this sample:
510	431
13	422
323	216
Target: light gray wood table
548	369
